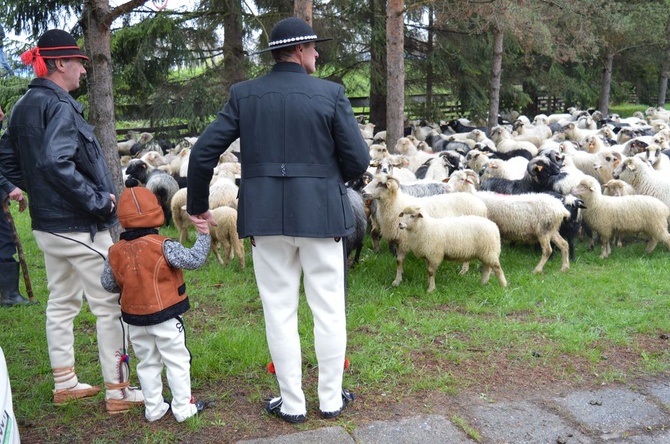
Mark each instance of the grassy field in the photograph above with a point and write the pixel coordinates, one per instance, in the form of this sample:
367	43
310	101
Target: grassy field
603	321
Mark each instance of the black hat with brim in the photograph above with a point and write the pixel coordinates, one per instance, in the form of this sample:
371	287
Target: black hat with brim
291	31
58	44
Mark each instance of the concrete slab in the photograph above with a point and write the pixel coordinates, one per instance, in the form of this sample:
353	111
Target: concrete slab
662	437
431	429
523	423
325	435
613	412
660	390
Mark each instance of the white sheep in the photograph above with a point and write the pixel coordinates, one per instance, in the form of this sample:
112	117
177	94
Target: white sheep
605	163
644	179
222	193
522	217
462	239
617	188
506	143
391	202
653	156
184	154
415	157
225	237
512	169
608	215
574	133
179	215
134	138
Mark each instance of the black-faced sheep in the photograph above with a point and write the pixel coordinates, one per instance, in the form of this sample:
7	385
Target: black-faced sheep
608	215
162	184
460	239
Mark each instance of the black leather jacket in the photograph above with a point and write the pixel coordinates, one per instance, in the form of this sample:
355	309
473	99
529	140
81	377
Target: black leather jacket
50	151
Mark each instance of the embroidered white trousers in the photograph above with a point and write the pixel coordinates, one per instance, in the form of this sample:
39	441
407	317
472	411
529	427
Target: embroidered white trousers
279	262
159	344
74	265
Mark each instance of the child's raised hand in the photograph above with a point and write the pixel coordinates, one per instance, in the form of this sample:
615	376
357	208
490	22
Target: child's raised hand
202	225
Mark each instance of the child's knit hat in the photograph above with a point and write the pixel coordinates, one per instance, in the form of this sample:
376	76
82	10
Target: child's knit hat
139	208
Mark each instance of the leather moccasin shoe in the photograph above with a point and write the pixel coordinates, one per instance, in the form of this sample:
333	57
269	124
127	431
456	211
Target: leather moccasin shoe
273	407
79	391
347	397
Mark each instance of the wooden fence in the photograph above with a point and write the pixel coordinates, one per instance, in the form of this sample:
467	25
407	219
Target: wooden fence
361	105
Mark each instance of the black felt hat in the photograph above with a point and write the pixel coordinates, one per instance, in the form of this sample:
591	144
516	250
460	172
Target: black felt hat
58	44
54	44
291	31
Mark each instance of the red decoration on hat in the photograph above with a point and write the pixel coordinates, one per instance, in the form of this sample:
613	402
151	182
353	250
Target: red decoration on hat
33	57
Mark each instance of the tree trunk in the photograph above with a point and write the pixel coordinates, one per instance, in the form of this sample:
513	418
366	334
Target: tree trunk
606	83
429	67
95	22
303	9
233	48
378	64
496	74
665	67
395	42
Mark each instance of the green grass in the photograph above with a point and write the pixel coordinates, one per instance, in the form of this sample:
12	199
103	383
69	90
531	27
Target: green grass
576	326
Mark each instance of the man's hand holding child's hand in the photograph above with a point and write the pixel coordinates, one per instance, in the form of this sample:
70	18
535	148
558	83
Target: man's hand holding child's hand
200	224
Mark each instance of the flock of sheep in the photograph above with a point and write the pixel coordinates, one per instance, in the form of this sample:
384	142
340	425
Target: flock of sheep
442	194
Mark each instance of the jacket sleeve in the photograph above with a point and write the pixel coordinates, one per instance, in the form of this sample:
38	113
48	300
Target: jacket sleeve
107	279
178	256
9	164
353	153
204	156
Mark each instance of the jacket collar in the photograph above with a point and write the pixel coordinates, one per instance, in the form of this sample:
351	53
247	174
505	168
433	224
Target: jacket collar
288	67
41	82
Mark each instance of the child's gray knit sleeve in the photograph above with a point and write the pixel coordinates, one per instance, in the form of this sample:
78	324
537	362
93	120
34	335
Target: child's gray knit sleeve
107	279
179	256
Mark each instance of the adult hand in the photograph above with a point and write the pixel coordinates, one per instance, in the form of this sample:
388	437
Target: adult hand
202	223
17	195
113	197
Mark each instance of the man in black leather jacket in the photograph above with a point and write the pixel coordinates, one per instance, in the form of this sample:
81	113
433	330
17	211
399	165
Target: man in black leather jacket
51	152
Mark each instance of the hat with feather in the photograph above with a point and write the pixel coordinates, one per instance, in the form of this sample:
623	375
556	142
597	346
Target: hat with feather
54	44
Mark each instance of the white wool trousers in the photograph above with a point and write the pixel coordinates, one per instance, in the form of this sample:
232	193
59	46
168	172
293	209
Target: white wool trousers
279	262
74	264
155	346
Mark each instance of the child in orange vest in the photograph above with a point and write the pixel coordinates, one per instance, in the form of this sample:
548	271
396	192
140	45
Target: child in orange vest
145	268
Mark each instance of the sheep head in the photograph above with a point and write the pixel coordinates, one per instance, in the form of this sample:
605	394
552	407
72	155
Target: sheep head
408	217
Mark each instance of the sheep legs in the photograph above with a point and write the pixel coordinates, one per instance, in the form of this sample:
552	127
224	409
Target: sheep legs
545	243
432	268
497	269
399	259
